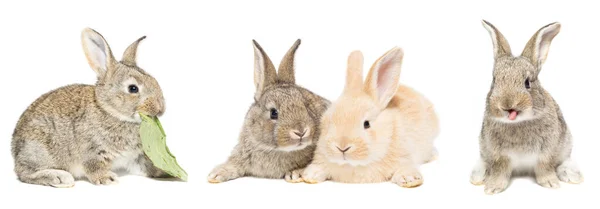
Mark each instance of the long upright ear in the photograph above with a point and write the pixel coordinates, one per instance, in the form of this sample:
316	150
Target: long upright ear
501	47
354	78
264	71
97	51
129	55
538	46
383	78
285	73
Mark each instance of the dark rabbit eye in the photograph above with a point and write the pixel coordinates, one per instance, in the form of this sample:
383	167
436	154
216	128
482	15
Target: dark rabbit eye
367	125
274	114
133	89
527	84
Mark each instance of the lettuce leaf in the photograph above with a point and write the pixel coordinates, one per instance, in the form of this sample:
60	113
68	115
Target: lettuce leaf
154	145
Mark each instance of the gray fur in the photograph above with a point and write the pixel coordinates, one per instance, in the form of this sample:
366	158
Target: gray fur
544	135
258	152
76	128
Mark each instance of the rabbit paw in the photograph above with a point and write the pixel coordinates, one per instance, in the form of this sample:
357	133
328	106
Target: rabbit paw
56	178
569	173
495	186
294	176
478	175
221	174
313	175
105	179
408	180
548	181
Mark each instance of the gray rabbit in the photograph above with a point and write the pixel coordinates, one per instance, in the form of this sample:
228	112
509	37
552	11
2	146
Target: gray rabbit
523	129
281	127
89	131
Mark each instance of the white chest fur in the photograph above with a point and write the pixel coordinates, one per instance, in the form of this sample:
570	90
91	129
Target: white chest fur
523	161
128	161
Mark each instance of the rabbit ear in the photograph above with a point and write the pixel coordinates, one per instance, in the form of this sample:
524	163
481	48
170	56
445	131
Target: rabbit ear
130	53
538	46
354	78
501	47
383	79
286	72
264	70
97	51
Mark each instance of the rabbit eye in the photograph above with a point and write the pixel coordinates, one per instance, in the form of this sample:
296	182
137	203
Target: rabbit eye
366	124
133	89
274	114
527	84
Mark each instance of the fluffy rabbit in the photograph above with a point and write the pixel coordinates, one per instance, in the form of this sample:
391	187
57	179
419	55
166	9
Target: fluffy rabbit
280	129
523	128
376	131
89	130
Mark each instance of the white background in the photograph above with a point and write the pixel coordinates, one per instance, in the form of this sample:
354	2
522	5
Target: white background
201	54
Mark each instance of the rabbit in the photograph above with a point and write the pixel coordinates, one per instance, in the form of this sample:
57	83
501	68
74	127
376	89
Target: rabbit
523	128
281	127
376	131
89	131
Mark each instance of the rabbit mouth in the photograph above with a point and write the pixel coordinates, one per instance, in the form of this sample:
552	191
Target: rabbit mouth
294	147
515	116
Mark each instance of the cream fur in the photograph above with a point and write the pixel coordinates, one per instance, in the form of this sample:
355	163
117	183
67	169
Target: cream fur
399	140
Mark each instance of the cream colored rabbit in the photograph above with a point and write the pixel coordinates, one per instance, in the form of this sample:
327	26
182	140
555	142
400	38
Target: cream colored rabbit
377	130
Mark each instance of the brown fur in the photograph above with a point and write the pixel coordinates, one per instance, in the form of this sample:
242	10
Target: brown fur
86	130
538	139
267	147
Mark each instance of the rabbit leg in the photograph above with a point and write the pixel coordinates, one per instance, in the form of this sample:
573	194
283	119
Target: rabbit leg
294	176
33	165
225	172
149	168
545	174
498	175
478	173
315	173
407	175
49	177
98	171
568	171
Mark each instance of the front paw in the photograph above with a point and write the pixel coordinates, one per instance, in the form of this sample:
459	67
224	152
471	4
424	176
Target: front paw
495	186
314	175
221	174
408	180
294	176
569	174
104	179
549	181
478	177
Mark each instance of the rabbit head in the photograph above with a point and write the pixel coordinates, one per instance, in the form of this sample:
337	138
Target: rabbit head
123	89
284	116
355	129
515	87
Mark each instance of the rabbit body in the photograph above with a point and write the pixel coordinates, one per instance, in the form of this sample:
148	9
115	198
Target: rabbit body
523	129
88	131
280	128
377	131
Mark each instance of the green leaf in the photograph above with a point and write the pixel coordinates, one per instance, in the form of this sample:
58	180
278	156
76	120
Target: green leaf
154	145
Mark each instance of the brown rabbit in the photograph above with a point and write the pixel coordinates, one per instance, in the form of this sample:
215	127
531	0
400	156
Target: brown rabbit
523	128
89	130
281	127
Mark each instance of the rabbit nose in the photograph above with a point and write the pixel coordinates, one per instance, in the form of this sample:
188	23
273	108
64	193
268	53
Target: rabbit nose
343	150
296	134
300	134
